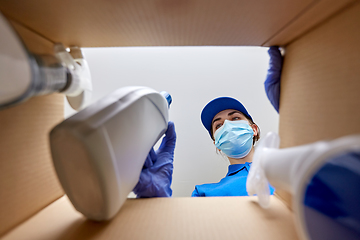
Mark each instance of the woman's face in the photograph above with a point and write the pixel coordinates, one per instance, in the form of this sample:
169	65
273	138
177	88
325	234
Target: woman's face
230	115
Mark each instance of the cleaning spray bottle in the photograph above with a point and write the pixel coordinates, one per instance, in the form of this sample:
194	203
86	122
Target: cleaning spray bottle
99	152
323	178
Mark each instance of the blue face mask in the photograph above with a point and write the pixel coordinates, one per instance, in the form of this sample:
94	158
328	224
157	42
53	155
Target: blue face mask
234	138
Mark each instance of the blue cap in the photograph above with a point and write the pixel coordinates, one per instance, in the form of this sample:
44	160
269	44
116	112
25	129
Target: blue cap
217	105
167	96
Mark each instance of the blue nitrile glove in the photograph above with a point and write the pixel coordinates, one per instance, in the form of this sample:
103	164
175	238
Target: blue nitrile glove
272	82
156	175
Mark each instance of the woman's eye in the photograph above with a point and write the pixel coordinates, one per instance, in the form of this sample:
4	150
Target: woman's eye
236	118
218	126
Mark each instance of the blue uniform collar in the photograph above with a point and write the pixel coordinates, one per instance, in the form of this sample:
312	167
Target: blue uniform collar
234	168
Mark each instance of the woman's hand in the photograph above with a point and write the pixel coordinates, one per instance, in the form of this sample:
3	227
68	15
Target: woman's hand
156	175
272	82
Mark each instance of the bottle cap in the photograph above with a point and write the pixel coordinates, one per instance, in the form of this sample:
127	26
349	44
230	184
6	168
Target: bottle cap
167	96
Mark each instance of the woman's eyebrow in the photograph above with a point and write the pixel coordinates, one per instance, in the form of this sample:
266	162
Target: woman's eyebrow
231	113
217	119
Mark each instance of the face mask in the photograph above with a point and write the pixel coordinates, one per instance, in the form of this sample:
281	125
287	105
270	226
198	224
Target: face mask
234	138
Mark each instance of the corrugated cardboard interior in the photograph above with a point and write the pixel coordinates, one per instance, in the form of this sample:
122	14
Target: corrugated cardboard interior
319	100
165	218
27	179
320	83
97	23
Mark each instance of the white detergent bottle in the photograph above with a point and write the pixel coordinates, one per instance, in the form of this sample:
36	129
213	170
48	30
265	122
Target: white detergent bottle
323	178
99	152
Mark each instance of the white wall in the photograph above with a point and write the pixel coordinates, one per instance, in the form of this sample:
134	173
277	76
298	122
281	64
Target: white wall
193	76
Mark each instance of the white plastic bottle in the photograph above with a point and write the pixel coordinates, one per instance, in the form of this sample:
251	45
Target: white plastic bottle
99	152
323	178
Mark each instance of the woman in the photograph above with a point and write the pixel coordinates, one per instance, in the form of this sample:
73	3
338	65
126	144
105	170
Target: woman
234	134
156	175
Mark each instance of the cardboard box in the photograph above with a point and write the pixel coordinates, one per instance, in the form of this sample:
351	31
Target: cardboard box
319	100
165	218
97	23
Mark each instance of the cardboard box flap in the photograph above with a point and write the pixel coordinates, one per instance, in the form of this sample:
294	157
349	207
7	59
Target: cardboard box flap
320	83
317	13
165	218
97	23
28	182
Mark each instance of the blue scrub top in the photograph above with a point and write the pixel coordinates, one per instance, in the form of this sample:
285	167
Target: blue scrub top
233	184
